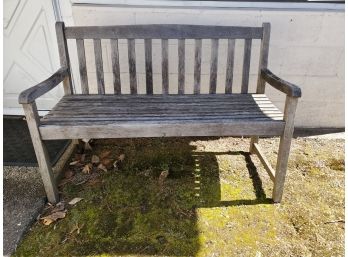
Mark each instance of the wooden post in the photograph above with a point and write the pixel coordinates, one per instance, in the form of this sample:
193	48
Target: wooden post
284	148
64	56
263	62
45	168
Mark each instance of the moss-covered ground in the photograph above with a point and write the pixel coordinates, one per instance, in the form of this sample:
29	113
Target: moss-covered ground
214	202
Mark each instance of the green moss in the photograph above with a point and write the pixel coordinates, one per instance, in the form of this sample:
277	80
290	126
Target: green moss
209	205
336	164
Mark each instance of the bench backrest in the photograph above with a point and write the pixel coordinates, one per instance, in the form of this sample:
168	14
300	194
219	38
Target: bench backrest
163	32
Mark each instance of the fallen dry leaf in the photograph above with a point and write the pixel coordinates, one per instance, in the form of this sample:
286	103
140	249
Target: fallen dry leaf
107	163
118	161
59	207
102	167
47	220
73	163
104	154
75	200
121	157
87	168
95	159
164	174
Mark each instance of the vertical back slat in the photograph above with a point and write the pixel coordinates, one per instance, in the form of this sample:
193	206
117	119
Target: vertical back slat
99	65
115	59
213	65
263	56
165	79
64	56
132	66
197	68
82	65
181	66
246	65
148	66
229	66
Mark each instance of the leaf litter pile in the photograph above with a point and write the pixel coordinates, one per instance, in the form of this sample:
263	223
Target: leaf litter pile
193	197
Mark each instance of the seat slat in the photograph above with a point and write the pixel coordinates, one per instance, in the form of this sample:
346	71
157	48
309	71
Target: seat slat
115	66
197	68
154	115
229	66
213	65
181	66
118	107
165	76
99	65
148	66
132	66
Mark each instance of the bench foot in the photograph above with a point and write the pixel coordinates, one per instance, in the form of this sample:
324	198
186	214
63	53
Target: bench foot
41	153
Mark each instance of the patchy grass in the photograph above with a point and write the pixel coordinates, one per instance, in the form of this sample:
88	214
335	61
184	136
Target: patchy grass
215	202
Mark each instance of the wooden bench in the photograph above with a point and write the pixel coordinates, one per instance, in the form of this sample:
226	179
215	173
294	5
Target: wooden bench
120	115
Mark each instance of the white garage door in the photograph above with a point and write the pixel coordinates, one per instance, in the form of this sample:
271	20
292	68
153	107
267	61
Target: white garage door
30	51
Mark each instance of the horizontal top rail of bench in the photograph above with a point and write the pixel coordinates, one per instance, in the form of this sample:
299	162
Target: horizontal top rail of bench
167	31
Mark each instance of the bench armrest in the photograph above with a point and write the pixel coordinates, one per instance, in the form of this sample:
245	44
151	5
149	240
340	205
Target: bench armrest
282	85
29	95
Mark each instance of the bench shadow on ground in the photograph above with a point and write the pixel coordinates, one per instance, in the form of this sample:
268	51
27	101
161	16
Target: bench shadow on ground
133	213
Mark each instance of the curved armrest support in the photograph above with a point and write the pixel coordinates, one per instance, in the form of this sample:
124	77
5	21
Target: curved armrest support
282	85
29	95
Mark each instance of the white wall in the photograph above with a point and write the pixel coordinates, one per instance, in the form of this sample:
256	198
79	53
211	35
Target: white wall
306	48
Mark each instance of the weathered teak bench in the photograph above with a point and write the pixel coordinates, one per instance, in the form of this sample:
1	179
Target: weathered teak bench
163	115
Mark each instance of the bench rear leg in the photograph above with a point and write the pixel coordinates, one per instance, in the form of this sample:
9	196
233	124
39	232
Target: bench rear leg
284	148
253	140
45	168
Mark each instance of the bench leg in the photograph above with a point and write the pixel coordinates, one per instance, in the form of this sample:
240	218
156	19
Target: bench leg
45	168
253	140
284	148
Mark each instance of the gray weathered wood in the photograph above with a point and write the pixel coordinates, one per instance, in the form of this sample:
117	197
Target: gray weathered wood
126	116
229	66
213	65
148	66
288	88
115	59
263	61
82	65
165	75
132	66
265	163
149	110
64	56
159	129
99	66
197	67
163	31
45	168
181	66
284	148
246	66
29	95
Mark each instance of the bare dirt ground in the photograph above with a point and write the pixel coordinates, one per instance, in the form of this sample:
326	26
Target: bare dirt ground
194	197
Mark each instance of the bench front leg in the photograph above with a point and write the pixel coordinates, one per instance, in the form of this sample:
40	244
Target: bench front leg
284	148
45	168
